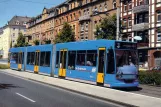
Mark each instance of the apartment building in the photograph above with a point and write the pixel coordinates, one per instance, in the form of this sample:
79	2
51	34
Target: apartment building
9	33
143	18
41	27
78	13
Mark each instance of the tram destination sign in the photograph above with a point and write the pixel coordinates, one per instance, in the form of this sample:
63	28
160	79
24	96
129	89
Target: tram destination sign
125	45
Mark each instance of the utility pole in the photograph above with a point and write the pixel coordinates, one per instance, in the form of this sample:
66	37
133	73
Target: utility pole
118	24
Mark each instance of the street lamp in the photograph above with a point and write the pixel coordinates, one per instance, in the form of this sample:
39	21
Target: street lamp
97	12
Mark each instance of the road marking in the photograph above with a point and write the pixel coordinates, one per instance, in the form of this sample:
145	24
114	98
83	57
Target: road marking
26	97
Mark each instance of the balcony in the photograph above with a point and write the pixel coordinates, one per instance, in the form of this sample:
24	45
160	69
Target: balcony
142	45
84	18
141	8
140	27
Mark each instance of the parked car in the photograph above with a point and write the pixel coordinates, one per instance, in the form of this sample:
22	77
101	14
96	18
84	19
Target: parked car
157	68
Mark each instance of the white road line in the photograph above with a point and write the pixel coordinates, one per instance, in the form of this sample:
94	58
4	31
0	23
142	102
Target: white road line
26	97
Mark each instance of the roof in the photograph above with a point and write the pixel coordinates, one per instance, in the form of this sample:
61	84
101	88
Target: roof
18	20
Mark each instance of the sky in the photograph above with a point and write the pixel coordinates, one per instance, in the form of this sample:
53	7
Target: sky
30	8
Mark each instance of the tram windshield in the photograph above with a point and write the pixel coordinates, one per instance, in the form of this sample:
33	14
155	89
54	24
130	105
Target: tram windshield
126	58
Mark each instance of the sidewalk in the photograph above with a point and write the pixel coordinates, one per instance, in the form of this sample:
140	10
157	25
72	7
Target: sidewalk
92	90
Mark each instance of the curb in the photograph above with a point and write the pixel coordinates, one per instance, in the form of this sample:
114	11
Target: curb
75	91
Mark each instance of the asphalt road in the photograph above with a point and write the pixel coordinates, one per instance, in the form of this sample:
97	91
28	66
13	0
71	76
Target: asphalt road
17	92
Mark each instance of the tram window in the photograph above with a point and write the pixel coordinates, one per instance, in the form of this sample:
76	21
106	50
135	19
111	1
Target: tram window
30	58
57	59
22	57
71	59
91	57
42	58
81	58
15	57
110	62
45	59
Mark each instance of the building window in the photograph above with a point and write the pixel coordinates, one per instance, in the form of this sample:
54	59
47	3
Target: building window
125	7
158	1
124	23
95	9
159	34
82	27
159	16
129	22
140	2
13	34
84	12
17	22
100	8
88	11
146	18
87	26
24	23
114	4
74	16
140	18
130	6
105	7
71	17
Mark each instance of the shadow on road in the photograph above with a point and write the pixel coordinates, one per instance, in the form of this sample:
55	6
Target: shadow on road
7	86
129	89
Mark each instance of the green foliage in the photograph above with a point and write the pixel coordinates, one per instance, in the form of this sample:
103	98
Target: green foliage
36	42
107	28
65	35
20	41
150	77
47	41
4	66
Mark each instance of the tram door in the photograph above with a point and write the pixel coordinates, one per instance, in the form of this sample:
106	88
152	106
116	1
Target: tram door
101	65
20	59
62	64
37	58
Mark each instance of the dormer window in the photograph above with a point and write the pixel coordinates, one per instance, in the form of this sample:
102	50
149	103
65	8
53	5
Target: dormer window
17	22
24	23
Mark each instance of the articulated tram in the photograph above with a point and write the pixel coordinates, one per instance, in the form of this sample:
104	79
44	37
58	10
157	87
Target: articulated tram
105	62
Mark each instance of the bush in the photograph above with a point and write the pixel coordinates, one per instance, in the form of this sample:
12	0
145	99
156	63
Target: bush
3	66
150	77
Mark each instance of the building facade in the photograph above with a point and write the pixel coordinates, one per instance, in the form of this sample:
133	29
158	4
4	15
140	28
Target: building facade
41	27
9	33
142	18
78	13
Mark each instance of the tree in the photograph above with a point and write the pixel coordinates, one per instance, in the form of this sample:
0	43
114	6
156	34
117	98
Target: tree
36	42
47	41
20	41
65	35
107	28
